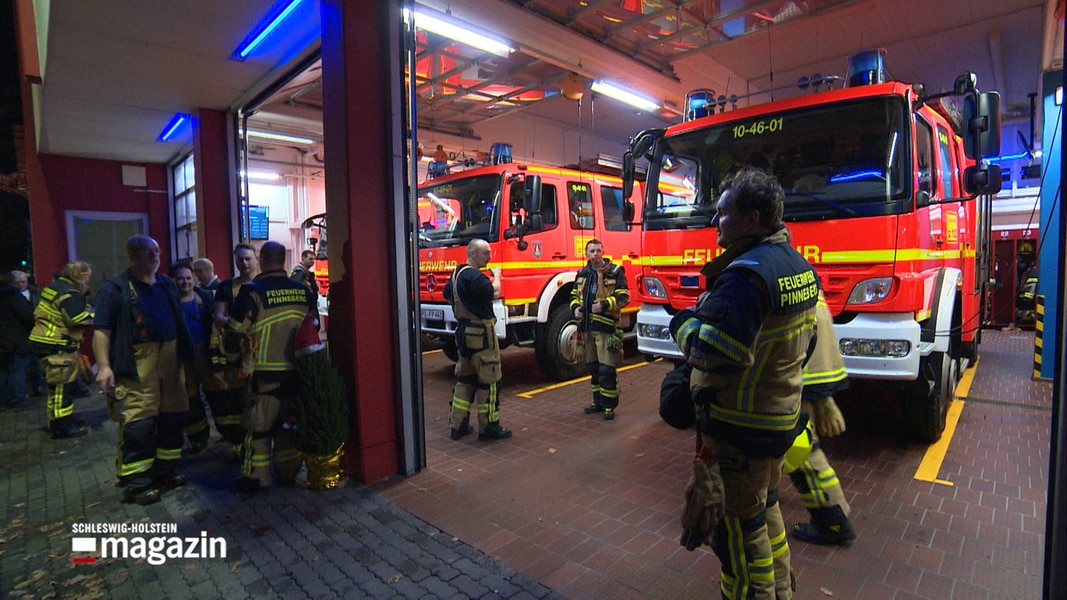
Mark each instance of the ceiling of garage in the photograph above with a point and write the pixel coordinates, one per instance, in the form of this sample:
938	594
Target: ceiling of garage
115	71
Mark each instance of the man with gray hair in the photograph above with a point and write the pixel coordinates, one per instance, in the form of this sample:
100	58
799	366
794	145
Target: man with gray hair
204	270
139	340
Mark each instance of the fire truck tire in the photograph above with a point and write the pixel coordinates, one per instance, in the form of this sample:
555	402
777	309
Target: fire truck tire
931	394
559	354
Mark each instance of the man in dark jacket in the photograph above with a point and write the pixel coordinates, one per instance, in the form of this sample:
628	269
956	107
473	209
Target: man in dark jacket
747	339
599	293
16	321
139	340
304	272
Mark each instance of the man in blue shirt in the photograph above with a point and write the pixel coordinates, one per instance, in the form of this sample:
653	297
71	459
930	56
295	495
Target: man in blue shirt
139	340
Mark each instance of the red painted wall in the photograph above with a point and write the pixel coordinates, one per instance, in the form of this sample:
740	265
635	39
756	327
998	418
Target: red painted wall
74	183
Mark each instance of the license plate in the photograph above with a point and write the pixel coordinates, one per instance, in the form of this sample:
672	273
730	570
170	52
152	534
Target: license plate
433	314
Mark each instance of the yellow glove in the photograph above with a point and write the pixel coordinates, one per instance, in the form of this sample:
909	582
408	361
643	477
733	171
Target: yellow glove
828	418
704	501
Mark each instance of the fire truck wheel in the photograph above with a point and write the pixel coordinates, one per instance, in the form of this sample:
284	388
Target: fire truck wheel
559	354
930	394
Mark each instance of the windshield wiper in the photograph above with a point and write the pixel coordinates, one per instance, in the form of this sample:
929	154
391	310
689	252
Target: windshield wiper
837	207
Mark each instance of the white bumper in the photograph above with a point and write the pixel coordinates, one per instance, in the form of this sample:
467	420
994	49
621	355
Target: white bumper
440	319
653	337
884	326
653	332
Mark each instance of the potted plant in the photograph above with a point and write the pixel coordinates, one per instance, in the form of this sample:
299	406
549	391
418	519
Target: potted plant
320	408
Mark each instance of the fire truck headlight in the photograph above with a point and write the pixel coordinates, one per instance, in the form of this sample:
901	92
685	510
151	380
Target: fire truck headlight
870	291
874	348
660	332
654	287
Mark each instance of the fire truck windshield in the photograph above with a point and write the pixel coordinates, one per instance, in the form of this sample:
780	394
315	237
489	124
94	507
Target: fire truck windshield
452	213
834	161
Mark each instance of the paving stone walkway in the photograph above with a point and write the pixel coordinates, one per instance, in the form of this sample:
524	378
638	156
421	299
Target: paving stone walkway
349	542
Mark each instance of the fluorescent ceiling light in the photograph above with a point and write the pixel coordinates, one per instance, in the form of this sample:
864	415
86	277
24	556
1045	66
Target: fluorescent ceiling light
281	137
622	95
452	31
262	175
270	22
175	125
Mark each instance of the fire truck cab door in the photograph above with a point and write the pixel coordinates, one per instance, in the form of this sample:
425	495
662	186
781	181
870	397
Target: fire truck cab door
621	237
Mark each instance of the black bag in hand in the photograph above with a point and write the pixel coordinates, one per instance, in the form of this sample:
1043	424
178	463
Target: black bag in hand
675	403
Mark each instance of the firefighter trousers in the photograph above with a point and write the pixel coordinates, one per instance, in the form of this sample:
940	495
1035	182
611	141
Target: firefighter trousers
60	371
196	427
820	489
750	540
151	412
267	440
476	384
600	363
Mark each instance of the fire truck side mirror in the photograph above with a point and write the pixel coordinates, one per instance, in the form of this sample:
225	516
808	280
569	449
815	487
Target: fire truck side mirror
531	195
627	179
628	209
981	118
982	179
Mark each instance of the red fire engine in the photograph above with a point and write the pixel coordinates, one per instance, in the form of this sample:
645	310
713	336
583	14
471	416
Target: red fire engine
537	220
882	195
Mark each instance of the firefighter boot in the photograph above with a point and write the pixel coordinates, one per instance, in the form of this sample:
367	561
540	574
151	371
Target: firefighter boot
828	527
494	431
597	405
65	427
463	429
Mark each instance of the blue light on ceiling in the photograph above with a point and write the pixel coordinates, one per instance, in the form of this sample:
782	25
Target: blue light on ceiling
174	126
270	23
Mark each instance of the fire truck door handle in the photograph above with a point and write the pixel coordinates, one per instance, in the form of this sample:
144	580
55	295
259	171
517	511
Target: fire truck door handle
632	255
559	255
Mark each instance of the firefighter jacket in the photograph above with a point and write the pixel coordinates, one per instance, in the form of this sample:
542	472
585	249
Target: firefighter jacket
824	374
606	285
118	304
304	276
1029	287
747	339
60	319
271	308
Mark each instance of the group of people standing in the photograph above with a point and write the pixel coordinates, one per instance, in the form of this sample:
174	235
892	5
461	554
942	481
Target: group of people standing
599	293
764	368
157	340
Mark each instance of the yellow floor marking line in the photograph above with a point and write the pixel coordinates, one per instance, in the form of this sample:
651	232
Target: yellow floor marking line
935	454
554	386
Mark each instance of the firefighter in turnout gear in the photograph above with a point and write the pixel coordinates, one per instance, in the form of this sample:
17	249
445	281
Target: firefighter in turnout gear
222	387
139	340
814	478
747	340
60	321
471	295
264	319
599	294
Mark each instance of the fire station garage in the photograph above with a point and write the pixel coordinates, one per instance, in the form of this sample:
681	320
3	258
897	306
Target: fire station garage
917	146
